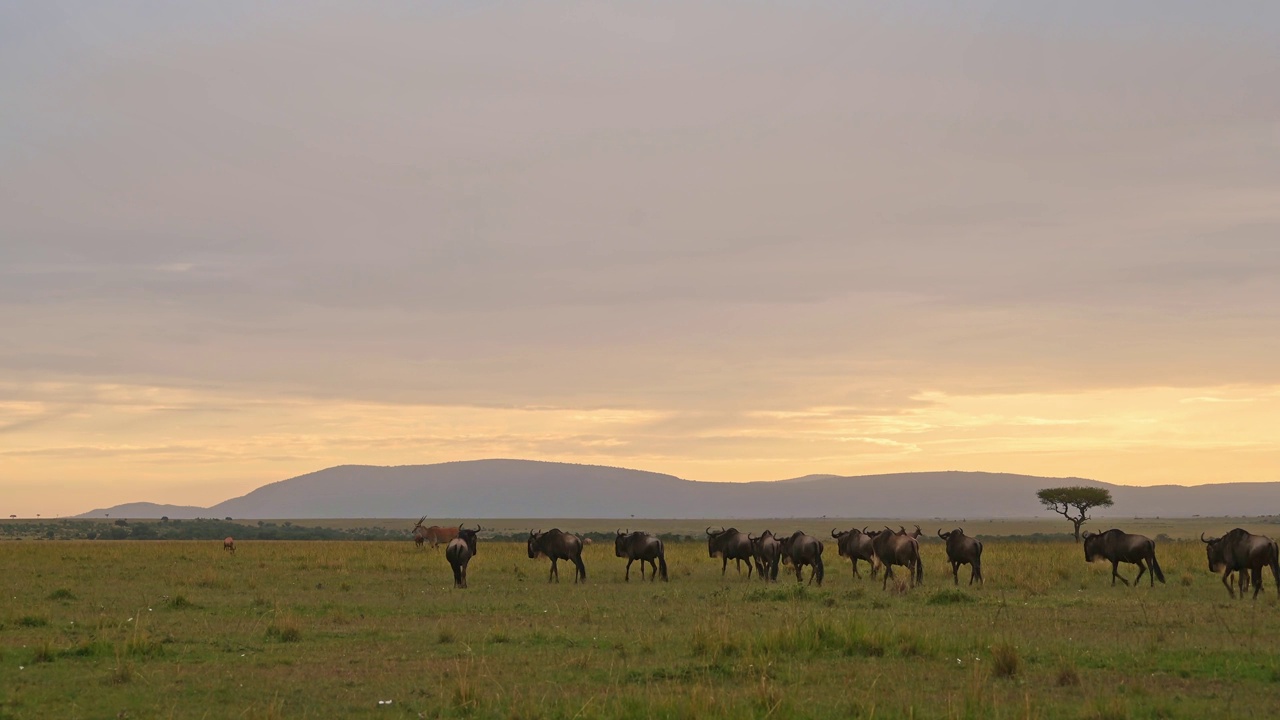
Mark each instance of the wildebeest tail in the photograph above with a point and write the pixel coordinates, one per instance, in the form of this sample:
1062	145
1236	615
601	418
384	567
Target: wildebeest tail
662	566
1275	564
817	567
1155	567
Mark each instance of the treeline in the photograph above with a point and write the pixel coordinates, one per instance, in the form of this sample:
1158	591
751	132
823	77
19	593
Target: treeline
200	529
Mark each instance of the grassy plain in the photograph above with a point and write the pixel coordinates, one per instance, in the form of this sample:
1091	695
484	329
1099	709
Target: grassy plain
139	629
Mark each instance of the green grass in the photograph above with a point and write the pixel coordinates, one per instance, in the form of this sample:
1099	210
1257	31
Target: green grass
328	629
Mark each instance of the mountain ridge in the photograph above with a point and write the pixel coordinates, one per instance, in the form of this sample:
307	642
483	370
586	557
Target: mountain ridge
501	488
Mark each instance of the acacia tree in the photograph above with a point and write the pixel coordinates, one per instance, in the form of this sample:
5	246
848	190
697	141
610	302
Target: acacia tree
1063	500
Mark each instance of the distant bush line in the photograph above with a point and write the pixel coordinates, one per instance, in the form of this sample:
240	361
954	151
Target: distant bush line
200	529
211	529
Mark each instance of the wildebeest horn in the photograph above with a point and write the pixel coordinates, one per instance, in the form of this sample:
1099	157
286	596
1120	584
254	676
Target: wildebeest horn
833	533
459	526
709	530
864	529
944	537
749	537
477	527
1206	542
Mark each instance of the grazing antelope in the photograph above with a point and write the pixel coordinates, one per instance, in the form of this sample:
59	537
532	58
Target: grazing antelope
229	545
434	534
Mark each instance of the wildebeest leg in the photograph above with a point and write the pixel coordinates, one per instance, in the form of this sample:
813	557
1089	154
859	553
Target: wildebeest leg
1257	582
888	573
1141	569
653	570
955	573
1226	582
1115	573
554	572
628	577
724	565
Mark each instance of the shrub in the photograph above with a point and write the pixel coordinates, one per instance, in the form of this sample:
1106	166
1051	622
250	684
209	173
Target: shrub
284	629
950	596
1006	661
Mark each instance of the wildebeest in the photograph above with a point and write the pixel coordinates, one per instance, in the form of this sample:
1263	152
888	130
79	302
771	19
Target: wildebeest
645	548
916	534
229	545
459	552
855	544
767	552
434	534
730	545
556	546
1118	546
1240	550
898	549
801	550
963	550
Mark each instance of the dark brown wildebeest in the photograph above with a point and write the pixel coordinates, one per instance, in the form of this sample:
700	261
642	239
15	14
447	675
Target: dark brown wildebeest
643	547
1117	546
801	550
767	552
1240	550
459	552
963	550
556	546
434	534
730	545
855	544
898	549
229	545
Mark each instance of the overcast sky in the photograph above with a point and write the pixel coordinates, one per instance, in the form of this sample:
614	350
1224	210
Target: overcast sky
724	240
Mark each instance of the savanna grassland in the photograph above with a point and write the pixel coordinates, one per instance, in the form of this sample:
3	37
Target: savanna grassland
325	629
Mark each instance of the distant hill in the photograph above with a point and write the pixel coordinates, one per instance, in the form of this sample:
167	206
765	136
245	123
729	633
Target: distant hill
532	489
149	510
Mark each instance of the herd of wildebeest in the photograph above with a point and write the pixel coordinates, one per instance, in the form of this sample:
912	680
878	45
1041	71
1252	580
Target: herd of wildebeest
1238	552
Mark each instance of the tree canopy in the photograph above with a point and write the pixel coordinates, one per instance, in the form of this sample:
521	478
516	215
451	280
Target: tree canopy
1063	500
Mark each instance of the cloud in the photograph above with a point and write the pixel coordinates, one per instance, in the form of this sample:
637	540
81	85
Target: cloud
720	224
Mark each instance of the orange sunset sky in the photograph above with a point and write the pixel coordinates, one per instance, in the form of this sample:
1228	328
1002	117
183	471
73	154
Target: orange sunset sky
727	241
